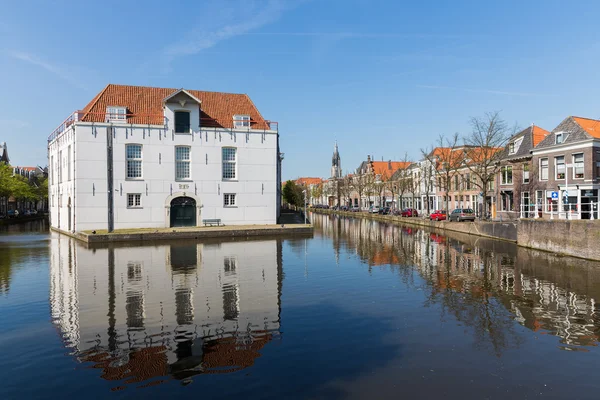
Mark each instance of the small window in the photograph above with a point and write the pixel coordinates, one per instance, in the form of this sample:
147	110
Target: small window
578	166
511	148
241	121
560	137
525	173
559	165
134	160
544	169
134	200
116	114
229	163
229	199
182	162
506	175
182	122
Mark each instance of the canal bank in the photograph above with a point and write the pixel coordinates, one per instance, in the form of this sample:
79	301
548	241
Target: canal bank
562	237
22	220
233	231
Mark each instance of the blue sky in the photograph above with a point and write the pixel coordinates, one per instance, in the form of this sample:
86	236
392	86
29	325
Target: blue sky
382	77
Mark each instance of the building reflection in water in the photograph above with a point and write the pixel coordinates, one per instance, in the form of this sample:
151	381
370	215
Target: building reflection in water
484	284
144	314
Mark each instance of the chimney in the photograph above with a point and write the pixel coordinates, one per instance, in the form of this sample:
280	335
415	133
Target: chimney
368	158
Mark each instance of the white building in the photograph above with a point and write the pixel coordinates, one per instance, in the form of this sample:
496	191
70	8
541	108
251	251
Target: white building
141	157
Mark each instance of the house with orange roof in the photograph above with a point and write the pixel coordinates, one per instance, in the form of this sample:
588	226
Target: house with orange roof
147	157
375	180
516	181
568	164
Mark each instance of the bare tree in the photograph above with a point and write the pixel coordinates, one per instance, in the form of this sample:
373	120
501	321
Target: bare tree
359	185
369	180
445	160
488	136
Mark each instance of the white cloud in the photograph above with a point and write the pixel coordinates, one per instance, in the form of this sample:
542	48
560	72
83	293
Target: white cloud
54	69
227	20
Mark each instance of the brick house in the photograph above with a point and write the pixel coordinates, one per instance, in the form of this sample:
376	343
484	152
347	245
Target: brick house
568	161
517	181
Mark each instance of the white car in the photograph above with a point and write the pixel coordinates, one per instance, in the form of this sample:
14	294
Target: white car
375	210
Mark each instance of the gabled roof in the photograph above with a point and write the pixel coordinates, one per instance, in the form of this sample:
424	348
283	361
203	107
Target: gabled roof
530	137
145	105
188	94
577	129
4	153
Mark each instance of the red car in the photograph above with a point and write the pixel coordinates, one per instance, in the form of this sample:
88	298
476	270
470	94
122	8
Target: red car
438	215
409	212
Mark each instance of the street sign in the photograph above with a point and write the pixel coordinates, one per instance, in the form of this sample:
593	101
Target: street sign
554	195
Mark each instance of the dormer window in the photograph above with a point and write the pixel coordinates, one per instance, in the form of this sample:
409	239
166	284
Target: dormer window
182	122
560	138
116	114
241	121
511	148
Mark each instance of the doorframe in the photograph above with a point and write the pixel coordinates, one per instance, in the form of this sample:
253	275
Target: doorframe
182	194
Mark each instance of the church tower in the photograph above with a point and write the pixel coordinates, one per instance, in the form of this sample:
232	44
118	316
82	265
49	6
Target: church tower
336	163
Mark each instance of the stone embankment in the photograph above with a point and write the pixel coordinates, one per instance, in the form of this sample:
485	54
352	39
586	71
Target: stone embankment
573	238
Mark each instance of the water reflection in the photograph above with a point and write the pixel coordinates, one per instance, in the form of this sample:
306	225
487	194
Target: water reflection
144	314
484	284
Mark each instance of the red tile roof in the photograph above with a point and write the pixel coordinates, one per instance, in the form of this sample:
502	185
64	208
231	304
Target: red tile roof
387	168
591	126
308	181
145	106
538	135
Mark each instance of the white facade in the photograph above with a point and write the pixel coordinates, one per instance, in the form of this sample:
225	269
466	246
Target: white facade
80	173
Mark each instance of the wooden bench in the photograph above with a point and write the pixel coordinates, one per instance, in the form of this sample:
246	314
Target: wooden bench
212	222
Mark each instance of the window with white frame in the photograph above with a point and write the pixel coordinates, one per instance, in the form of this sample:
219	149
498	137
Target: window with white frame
60	166
116	114
559	167
69	163
134	200
543	169
559	138
241	121
229	163
525	173
134	160
229	200
578	166
182	162
506	175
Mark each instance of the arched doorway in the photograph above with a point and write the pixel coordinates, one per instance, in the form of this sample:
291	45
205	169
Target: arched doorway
183	211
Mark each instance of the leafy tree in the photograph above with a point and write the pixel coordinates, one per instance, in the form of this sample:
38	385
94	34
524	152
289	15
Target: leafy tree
292	194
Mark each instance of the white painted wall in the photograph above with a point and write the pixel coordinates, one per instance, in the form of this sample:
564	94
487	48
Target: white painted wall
255	188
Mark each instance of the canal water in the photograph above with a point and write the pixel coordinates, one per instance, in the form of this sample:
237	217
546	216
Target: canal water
361	309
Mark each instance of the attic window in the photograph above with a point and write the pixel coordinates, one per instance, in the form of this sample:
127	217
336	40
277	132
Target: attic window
116	114
511	148
560	138
241	121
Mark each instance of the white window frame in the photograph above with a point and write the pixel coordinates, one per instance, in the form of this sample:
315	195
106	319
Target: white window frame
560	135
229	162
134	200
182	162
134	160
542	169
526	173
241	121
116	114
504	175
175	121
229	200
575	166
556	164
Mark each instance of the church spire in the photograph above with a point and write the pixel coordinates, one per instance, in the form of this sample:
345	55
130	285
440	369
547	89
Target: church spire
336	163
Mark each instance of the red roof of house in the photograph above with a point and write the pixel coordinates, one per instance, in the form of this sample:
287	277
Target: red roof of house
538	135
384	168
308	181
145	106
591	126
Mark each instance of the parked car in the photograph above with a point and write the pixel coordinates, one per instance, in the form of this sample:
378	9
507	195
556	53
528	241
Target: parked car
355	209
33	212
384	210
409	212
12	213
438	215
26	213
374	209
462	214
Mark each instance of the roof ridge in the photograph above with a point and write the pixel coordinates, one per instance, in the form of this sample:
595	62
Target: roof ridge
174	89
95	100
256	108
589	119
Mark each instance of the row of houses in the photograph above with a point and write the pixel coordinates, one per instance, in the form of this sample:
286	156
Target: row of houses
10	202
536	174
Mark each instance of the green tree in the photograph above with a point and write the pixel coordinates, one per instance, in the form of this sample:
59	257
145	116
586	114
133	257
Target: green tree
292	194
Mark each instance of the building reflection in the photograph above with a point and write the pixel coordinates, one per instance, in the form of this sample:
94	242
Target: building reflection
484	284
145	314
